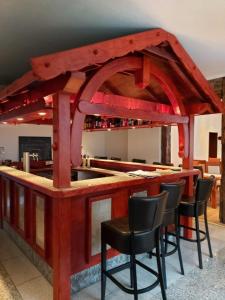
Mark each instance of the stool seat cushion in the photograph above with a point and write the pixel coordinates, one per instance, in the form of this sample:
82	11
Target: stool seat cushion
117	234
187	207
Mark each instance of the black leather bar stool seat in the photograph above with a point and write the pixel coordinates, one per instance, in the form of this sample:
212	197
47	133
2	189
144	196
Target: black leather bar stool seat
194	207
118	237
138	233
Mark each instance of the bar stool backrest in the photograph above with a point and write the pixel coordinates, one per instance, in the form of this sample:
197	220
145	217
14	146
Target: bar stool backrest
175	191
146	213
204	189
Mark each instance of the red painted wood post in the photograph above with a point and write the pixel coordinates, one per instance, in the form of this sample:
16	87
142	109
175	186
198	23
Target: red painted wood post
61	225
61	206
61	141
188	164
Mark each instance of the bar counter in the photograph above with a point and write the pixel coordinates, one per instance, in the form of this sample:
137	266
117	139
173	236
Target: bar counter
44	217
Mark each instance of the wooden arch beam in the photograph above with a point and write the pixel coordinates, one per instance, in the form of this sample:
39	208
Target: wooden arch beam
93	85
174	96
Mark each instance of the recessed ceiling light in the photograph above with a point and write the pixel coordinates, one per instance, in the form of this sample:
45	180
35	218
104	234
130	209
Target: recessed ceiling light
42	113
4	123
20	119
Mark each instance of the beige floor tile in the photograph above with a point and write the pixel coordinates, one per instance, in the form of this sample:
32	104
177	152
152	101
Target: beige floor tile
8	249
36	289
20	269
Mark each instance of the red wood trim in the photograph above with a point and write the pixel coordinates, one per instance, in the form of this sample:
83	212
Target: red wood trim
43	89
18	84
61	141
33	107
130	103
61	225
107	110
142	78
49	66
92	86
199	108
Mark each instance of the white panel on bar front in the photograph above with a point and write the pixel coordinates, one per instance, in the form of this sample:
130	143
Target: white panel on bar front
21	193
140	194
7	195
40	221
100	212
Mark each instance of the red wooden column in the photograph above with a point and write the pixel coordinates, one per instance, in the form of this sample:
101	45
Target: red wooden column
61	224
61	141
188	164
61	217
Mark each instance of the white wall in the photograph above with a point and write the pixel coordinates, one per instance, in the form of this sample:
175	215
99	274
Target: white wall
203	125
145	144
94	143
116	144
175	159
9	137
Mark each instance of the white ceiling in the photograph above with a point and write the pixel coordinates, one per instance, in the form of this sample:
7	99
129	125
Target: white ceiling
31	28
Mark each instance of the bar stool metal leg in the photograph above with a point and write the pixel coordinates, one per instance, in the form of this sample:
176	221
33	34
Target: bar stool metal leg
131	274
207	232
159	267
166	239
198	242
163	261
103	268
134	276
177	228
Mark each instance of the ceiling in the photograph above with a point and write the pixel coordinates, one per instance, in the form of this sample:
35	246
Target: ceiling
31	28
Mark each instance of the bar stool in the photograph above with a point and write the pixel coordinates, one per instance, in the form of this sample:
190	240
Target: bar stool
194	207
170	217
137	234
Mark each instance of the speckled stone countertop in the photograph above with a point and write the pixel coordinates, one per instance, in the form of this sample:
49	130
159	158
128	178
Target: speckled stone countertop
115	179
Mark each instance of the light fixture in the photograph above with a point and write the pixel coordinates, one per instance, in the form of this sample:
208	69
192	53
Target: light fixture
96	115
133	127
4	123
20	119
109	129
42	113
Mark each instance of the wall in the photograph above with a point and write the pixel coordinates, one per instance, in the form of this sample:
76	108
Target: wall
94	143
9	137
126	144
203	125
116	144
145	144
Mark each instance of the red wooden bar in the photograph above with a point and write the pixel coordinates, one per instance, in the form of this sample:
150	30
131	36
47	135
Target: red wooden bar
146	75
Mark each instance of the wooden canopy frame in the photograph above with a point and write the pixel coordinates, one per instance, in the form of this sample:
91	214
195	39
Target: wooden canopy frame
101	79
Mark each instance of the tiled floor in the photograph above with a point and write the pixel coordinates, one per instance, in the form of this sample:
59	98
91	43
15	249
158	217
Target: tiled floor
28	284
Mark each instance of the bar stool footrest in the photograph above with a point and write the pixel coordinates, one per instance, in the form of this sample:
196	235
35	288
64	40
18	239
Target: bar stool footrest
193	229
109	274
